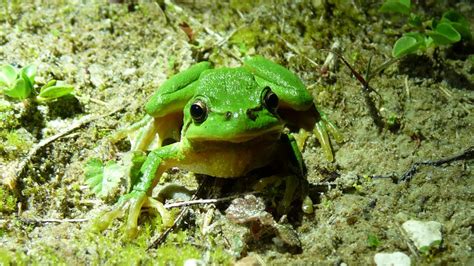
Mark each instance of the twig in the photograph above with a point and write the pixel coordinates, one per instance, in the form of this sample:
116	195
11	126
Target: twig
204	201
366	89
157	240
330	61
12	174
48	220
407	87
465	155
297	51
382	67
407	240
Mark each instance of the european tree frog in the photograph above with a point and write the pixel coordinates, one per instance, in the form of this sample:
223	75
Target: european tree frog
225	121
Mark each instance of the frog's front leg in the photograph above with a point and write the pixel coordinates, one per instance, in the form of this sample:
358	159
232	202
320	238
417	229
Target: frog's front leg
156	163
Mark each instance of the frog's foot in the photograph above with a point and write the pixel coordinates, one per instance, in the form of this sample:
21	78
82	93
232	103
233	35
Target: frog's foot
166	216
292	183
321	132
132	203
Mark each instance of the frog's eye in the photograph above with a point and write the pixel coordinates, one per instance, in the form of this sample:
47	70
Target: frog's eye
198	111
270	100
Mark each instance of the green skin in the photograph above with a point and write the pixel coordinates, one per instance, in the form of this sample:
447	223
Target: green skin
240	129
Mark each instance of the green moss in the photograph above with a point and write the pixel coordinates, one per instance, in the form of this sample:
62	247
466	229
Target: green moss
8	257
7	200
51	256
246	37
171	254
13	143
220	257
243	6
373	241
7	115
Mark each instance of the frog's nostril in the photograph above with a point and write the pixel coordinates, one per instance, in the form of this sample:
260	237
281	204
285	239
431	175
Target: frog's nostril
251	114
228	115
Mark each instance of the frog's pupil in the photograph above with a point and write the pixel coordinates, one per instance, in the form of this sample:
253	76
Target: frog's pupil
271	100
198	111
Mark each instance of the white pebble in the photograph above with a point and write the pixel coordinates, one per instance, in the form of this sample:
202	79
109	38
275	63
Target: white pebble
425	235
392	259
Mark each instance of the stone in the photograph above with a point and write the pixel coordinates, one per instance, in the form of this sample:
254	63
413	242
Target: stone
392	259
425	235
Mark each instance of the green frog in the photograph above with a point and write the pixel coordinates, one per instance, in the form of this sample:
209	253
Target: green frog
222	122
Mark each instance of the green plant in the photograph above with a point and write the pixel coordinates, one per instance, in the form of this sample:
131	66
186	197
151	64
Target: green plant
19	84
372	240
451	28
16	83
103	179
7	200
54	89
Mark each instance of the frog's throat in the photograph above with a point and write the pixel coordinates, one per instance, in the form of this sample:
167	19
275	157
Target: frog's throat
267	133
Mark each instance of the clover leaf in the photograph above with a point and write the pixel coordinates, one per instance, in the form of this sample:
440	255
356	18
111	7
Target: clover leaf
16	83
396	6
103	180
409	43
54	89
444	34
459	23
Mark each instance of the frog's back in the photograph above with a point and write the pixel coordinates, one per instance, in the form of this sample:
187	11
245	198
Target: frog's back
229	88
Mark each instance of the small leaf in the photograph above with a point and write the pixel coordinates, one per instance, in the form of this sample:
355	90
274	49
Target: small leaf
56	91
94	174
8	75
420	38
415	20
464	31
48	84
396	6
103	180
30	71
113	174
454	16
373	241
21	89
460	23
444	34
405	45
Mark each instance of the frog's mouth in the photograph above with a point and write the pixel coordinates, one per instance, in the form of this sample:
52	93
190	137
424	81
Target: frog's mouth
271	133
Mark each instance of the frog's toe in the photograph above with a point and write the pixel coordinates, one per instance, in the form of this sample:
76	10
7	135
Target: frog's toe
132	204
291	184
134	201
166	216
105	219
321	131
336	134
321	134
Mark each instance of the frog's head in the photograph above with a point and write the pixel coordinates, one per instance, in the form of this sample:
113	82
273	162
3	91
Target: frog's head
229	105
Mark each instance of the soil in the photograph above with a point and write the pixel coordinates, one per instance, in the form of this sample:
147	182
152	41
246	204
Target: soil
117	54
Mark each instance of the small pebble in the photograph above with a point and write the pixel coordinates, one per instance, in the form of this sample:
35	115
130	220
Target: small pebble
392	259
425	235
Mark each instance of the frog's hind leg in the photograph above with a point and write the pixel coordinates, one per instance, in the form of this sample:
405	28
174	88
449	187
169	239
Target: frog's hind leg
150	133
321	129
157	132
